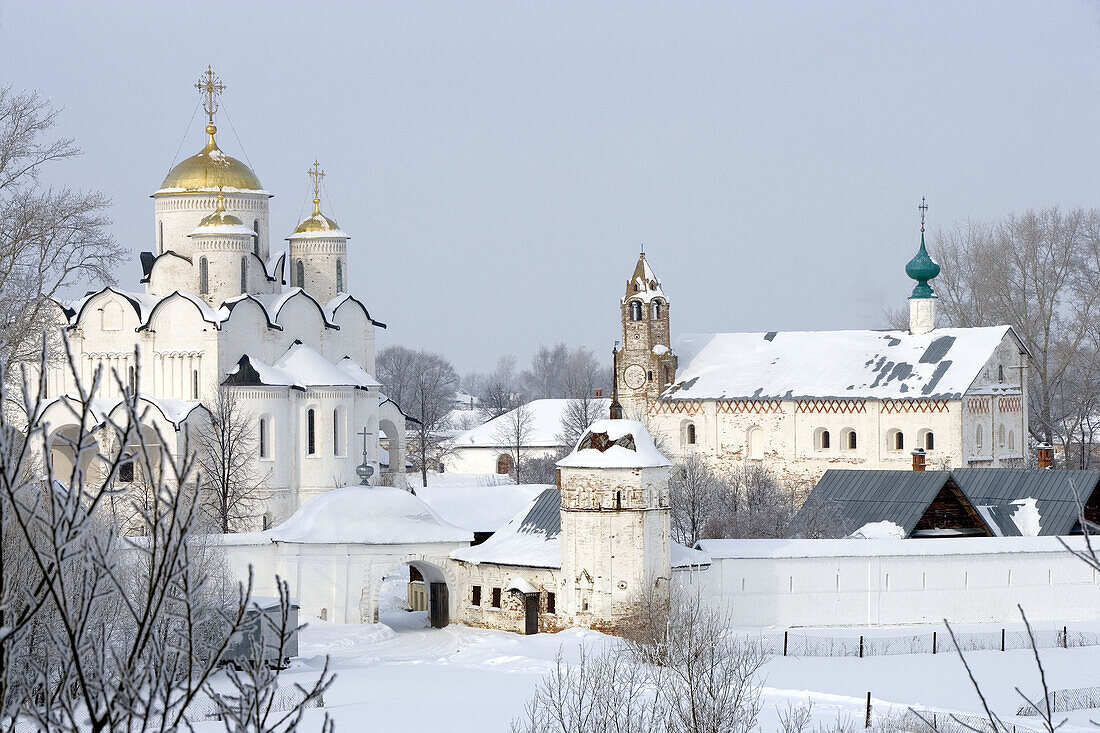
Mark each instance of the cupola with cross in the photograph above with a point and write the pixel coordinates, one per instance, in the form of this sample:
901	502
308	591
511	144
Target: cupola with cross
644	363
922	268
319	250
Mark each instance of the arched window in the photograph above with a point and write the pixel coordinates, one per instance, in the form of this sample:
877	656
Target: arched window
656	309
505	464
267	522
160	237
895	440
848	439
311	432
929	441
126	471
1011	439
111	316
244	274
300	272
337	432
204	276
264	438
691	434
978	437
195	384
256	239
688	435
823	439
1001	436
339	276
1000	372
131	380
635	310
755	441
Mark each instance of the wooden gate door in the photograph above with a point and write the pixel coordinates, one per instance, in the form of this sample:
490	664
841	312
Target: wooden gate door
531	613
438	612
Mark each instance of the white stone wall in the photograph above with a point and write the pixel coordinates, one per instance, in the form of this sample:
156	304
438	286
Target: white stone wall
982	585
483	459
511	615
177	214
319	256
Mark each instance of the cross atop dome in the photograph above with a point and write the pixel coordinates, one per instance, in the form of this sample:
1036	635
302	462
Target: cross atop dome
317	175
210	87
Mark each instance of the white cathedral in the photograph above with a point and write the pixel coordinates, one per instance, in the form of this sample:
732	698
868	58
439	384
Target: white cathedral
215	311
802	402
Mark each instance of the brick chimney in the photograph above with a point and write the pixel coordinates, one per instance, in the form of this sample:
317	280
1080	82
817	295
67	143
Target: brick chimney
918	459
1045	454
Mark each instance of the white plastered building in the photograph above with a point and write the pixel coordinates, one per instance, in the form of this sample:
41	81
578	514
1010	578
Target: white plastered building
805	401
215	313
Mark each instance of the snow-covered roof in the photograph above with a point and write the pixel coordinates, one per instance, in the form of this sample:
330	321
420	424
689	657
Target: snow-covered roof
940	364
643	284
300	366
174	411
532	538
615	444
375	515
749	549
688	557
546	420
479	508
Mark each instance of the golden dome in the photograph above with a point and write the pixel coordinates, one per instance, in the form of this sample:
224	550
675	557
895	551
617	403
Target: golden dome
220	217
318	223
211	169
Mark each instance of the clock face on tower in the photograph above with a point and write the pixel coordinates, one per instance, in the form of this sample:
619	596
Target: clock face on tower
634	376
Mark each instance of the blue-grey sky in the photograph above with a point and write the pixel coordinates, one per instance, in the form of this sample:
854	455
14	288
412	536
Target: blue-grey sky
498	163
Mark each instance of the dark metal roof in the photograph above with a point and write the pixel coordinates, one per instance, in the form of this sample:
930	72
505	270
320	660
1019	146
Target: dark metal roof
1059	495
545	514
858	497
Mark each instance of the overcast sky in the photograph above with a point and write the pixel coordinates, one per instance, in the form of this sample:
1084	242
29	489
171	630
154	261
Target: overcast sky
498	164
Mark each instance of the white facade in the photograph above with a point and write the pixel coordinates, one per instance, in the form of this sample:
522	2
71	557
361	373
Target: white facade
804	402
215	313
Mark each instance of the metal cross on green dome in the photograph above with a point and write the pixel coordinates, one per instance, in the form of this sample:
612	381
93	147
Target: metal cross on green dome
922	267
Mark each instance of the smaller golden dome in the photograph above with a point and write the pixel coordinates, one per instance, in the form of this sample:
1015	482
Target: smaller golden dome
211	169
220	217
317	223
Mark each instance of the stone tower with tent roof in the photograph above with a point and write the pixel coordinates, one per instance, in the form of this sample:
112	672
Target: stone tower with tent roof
644	363
615	524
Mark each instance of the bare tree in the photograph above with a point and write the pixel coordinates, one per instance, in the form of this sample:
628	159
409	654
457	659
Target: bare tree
579	413
560	372
754	503
100	632
226	456
695	499
50	240
513	431
423	384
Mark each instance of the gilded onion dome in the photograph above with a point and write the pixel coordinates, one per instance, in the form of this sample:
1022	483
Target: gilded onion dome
221	222
317	224
209	170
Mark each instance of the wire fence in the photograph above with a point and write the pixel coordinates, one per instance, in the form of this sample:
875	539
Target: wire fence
284	699
800	644
1063	701
940	721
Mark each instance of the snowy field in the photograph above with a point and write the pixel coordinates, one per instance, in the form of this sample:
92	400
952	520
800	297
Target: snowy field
401	675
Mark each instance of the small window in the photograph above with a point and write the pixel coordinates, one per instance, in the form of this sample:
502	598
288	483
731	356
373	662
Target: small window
848	439
1011	440
475	596
895	440
126	472
244	274
337	442
267	522
1001	436
689	433
823	440
300	271
256	239
195	384
551	603
160	237
496	597
929	441
635	310
1000	373
263	437
618	499
204	276
978	437
131	380
339	276
656	309
311	432
649	376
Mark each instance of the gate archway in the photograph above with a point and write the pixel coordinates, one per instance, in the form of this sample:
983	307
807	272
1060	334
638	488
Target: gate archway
425	579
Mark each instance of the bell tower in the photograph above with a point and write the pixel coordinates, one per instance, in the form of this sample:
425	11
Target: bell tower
644	363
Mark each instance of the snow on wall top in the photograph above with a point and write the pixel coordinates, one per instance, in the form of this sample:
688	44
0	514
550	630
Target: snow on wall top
375	515
300	366
532	538
615	444
940	364
747	549
546	418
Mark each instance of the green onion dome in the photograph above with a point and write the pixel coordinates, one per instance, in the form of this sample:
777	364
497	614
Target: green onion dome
922	268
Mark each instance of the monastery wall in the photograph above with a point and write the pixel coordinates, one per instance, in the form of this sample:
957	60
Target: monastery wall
764	583
511	614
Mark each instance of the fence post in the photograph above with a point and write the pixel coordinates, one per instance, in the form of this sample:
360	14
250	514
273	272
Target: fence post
867	719
1065	638
933	642
1002	640
784	643
861	657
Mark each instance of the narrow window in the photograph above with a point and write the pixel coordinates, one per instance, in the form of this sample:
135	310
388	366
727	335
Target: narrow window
1001	436
244	274
311	439
195	384
551	603
635	310
160	237
691	433
204	277
476	598
336	442
656	309
300	271
256	239
131	379
618	500
929	441
1000	373
824	441
126	472
267	522
1011	439
899	441
339	276
852	440
263	437
496	597
978	437
649	376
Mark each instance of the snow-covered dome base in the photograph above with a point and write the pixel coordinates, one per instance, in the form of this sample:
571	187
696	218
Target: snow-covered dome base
615	444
